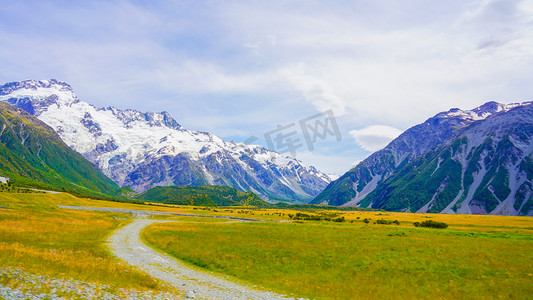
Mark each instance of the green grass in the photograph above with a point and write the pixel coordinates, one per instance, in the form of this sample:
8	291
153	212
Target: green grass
322	260
476	257
40	238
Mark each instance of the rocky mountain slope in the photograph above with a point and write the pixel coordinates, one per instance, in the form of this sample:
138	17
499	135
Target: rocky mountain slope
32	154
144	150
475	162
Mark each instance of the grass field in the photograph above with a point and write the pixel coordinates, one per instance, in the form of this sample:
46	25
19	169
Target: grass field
477	257
38	237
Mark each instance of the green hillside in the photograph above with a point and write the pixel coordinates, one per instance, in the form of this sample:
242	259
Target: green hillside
33	155
202	196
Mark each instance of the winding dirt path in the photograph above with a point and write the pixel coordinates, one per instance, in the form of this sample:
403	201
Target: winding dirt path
126	244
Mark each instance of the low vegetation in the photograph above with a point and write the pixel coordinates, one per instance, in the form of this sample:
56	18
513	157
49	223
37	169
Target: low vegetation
10	188
431	224
38	237
482	257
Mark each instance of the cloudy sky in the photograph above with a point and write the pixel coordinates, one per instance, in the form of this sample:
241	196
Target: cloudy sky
241	68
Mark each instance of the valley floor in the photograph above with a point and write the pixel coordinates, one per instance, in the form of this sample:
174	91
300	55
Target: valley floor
47	247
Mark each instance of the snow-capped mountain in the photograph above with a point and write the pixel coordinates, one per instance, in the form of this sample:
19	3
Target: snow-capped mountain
143	150
475	161
32	153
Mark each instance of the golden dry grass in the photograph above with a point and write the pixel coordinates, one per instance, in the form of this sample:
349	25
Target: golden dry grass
38	237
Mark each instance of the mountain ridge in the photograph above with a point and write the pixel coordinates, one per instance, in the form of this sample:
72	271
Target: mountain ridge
34	155
144	150
380	180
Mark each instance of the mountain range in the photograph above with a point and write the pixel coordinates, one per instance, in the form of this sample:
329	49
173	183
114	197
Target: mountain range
33	155
145	150
476	161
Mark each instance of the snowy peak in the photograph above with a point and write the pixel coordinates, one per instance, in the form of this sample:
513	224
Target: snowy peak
131	116
420	138
482	112
34	85
35	96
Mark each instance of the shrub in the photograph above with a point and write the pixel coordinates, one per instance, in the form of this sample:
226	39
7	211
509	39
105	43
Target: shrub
366	220
306	217
387	222
397	234
431	224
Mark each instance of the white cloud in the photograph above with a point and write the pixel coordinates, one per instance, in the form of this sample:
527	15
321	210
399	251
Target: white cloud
375	137
197	77
242	66
315	90
526	7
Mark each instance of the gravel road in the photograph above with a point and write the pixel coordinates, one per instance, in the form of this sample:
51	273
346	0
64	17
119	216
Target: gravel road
126	245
